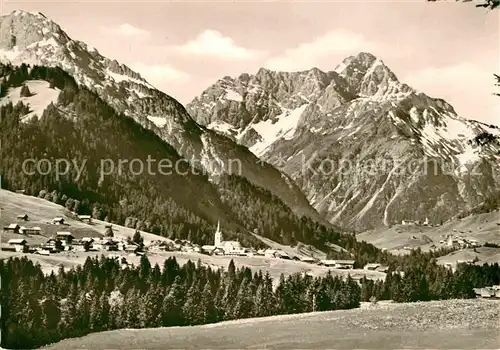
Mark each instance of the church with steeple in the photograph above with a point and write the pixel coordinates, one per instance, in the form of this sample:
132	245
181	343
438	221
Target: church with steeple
229	247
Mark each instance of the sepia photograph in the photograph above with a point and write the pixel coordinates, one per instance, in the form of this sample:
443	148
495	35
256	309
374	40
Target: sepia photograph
252	174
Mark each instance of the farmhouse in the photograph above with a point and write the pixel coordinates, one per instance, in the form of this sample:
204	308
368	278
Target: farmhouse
371	266
65	236
307	259
58	221
14	228
208	249
270	253
19	244
131	248
80	247
487	292
281	255
85	218
23	217
328	263
44	250
31	230
54	244
104	244
338	264
408	222
382	268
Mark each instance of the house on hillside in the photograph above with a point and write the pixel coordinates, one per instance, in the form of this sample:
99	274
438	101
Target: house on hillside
327	263
105	244
408	222
131	249
54	244
23	217
21	191
270	253
338	264
308	259
281	255
30	230
44	250
371	266
207	249
85	218
58	221
344	264
14	228
65	236
80	246
19	244
382	268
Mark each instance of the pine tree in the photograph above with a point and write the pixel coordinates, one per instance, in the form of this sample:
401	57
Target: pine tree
207	306
25	91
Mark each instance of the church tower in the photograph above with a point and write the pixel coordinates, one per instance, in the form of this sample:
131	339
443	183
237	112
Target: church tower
218	236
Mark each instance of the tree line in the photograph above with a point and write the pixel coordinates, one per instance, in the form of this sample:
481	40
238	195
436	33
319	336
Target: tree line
102	294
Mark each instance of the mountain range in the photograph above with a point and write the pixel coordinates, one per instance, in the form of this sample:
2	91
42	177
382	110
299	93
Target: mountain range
288	131
366	149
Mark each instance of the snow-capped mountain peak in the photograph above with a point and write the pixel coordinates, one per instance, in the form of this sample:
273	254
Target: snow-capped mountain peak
31	38
359	112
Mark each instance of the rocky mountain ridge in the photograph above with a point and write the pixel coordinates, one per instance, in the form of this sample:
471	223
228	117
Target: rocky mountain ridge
366	149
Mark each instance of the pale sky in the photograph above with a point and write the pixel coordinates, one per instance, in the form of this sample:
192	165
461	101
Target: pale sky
447	50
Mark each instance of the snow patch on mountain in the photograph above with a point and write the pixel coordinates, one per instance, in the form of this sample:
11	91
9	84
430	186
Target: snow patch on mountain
41	97
221	126
233	96
283	127
158	121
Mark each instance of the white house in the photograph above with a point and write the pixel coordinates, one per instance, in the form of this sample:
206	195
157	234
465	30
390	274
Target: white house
58	221
338	264
344	264
19	244
30	230
65	236
86	218
270	253
371	266
307	259
12	227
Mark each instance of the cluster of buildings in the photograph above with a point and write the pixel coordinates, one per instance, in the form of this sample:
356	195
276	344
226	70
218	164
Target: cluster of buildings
457	241
417	223
488	292
65	241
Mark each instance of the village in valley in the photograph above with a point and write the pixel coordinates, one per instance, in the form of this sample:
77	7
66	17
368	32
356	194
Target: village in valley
68	239
65	241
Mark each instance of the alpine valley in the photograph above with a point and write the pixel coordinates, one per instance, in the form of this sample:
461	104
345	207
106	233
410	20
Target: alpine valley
90	107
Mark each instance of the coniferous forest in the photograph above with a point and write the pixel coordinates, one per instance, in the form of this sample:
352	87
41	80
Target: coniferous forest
38	309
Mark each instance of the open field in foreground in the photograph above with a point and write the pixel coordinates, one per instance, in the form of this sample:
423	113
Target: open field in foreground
457	324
